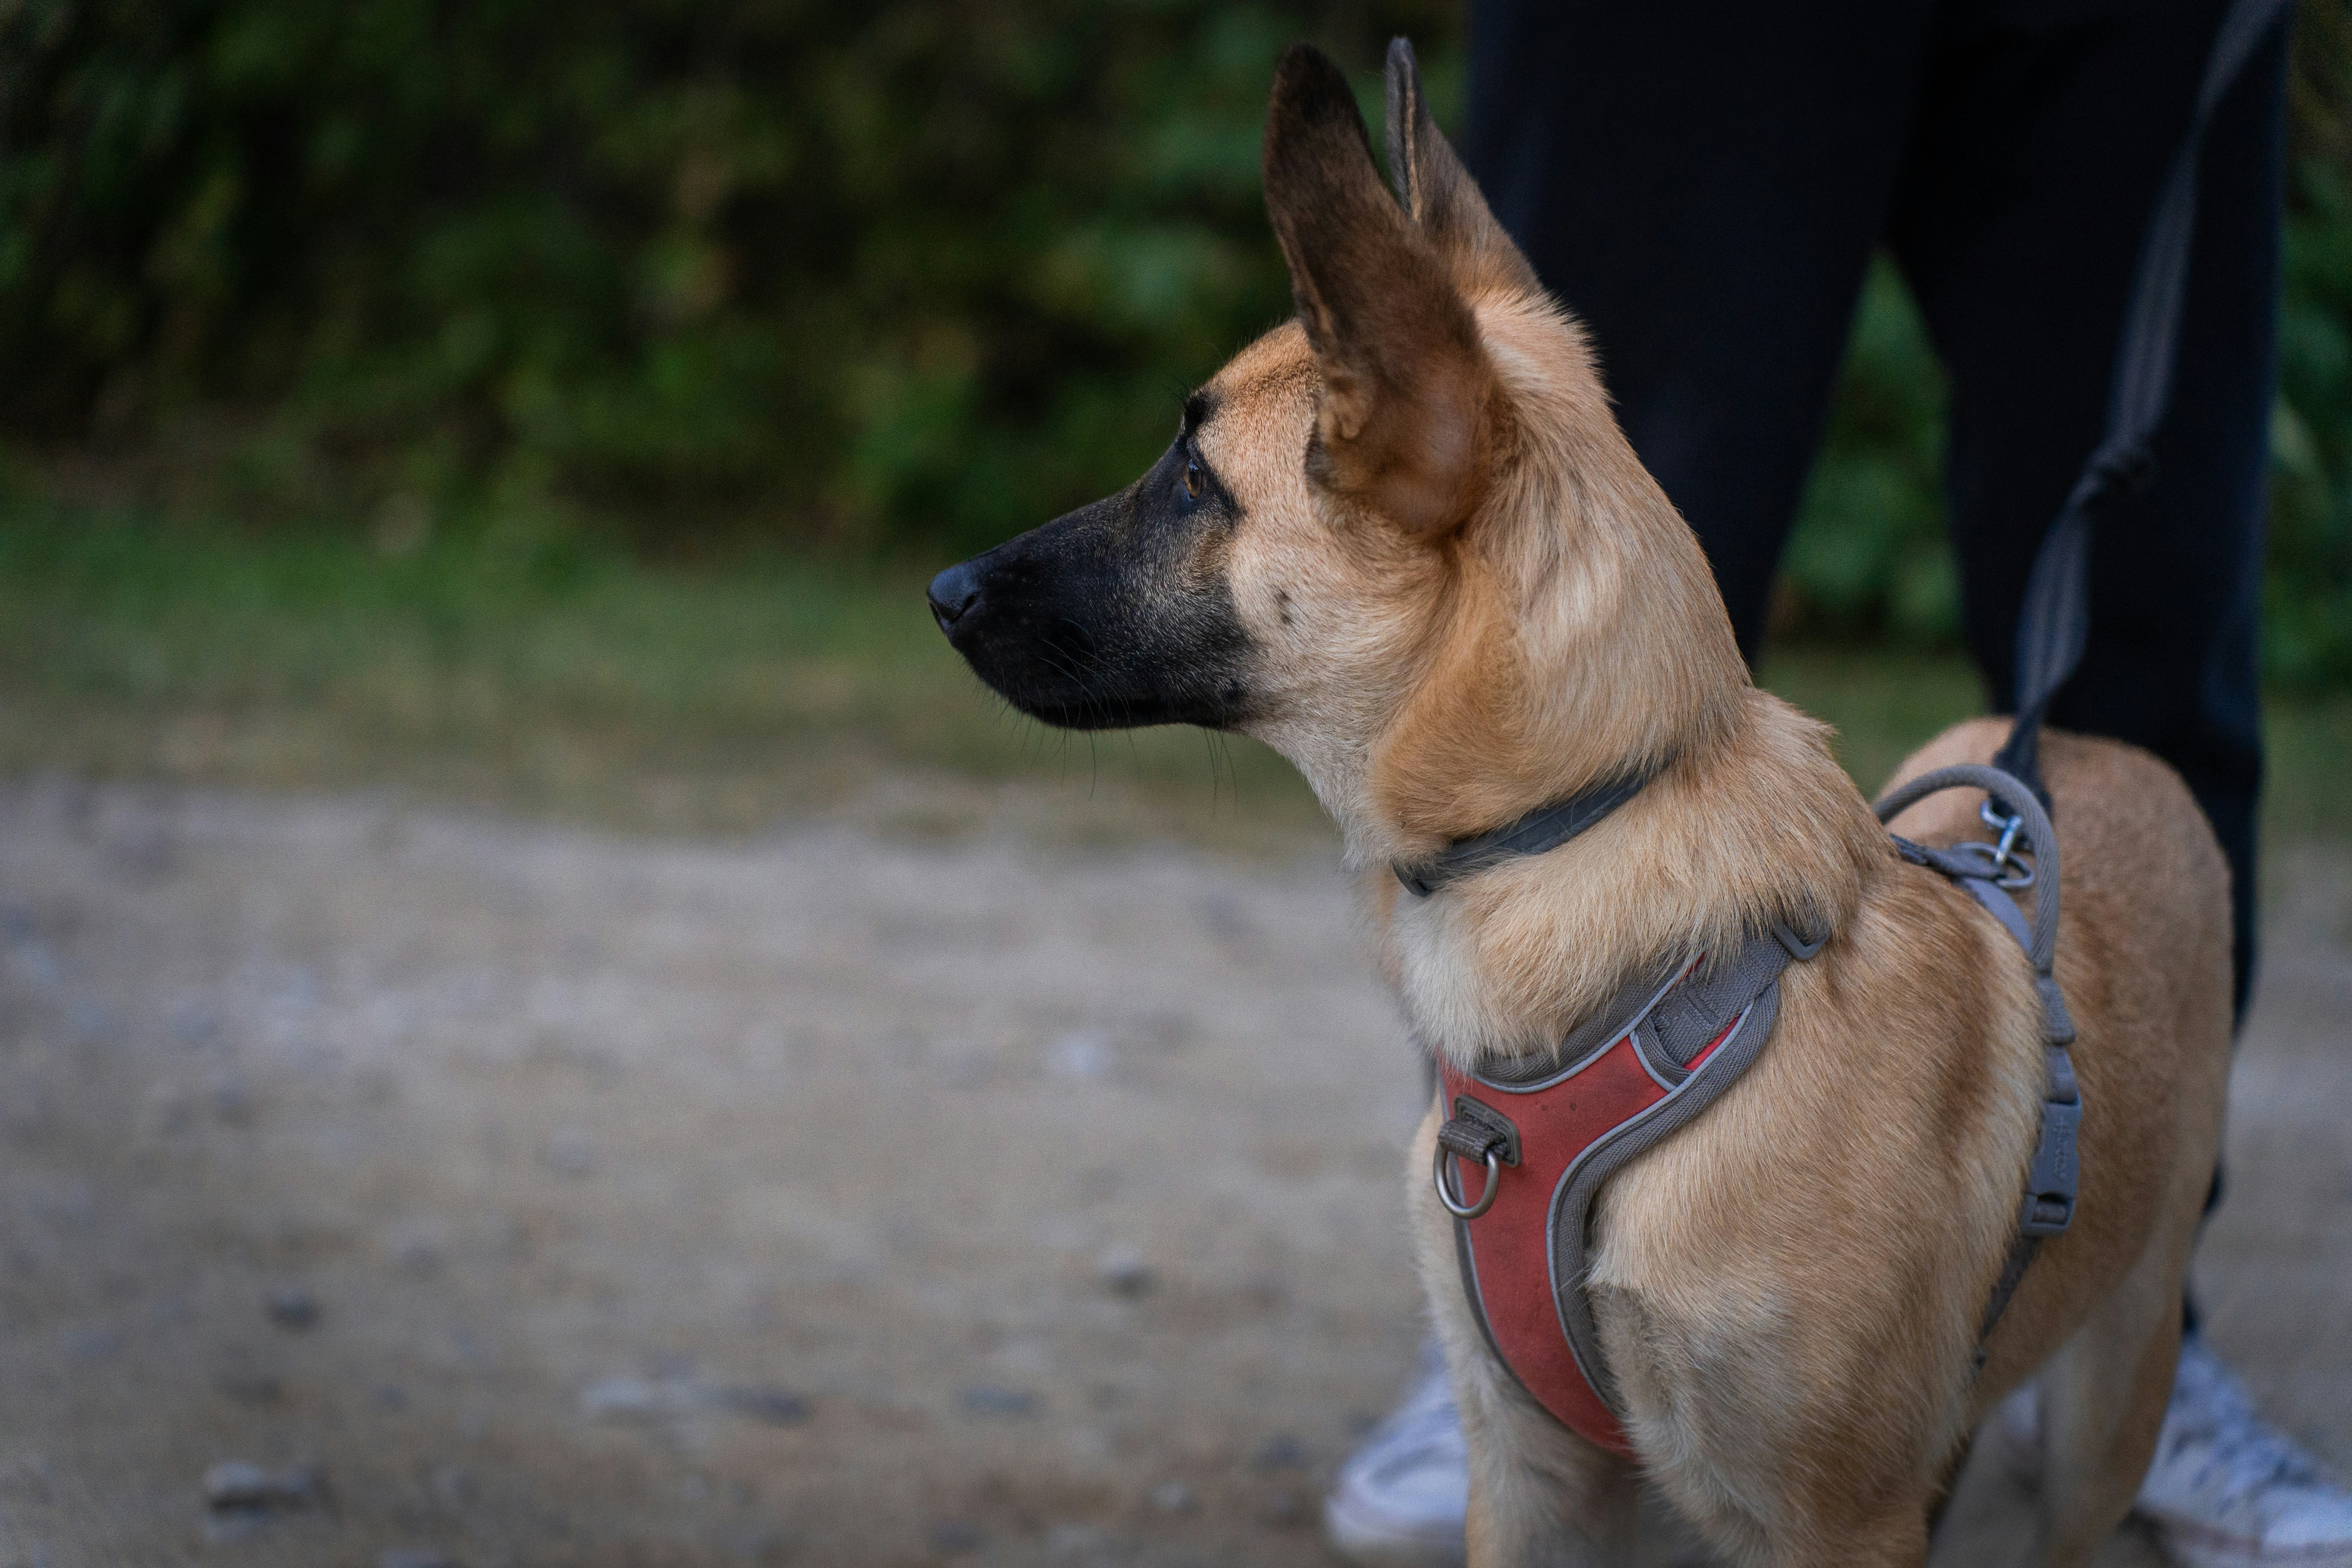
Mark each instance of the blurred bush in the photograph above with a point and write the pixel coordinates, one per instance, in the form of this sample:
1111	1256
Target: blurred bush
860	271
874	276
1868	557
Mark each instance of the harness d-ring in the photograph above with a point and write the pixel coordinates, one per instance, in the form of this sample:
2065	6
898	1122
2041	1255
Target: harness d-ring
1454	1205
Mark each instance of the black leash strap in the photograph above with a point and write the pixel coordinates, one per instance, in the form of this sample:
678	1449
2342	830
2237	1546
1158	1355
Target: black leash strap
2056	615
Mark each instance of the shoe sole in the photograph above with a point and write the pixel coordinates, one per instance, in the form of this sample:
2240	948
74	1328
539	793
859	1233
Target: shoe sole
1370	1540
2192	1548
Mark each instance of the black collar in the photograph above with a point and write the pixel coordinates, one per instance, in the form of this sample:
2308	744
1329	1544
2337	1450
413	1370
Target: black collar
1545	828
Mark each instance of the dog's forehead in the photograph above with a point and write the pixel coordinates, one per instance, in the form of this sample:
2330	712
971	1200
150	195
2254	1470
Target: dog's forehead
1268	384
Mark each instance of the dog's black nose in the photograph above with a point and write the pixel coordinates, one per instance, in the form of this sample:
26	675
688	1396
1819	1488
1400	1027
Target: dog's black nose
954	593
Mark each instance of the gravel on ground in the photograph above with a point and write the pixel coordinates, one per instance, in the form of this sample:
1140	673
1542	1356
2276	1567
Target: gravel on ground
398	1186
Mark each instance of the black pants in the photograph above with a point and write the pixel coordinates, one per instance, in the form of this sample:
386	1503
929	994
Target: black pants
1704	183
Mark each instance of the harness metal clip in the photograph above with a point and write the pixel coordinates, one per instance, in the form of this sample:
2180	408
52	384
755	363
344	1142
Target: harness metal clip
2011	867
1477	1132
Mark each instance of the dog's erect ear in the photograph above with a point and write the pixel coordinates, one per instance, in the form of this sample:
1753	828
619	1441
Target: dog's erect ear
1409	399
1438	191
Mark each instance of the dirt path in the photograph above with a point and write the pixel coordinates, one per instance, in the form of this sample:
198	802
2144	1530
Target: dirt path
820	1198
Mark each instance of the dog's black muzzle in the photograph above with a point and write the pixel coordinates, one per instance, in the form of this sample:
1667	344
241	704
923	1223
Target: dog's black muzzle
1102	619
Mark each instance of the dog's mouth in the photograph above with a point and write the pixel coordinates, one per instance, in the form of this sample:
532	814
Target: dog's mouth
1112	617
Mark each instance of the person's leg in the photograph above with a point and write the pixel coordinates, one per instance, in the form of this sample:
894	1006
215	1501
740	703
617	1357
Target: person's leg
1703	185
2045	134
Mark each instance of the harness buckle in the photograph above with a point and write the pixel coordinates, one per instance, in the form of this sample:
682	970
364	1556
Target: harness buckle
2051	1181
1484	1119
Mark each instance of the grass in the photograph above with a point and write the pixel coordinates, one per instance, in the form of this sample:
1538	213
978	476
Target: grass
549	676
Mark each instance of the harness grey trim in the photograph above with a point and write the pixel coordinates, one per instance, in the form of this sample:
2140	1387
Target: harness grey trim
1586	1042
1546	827
1754	975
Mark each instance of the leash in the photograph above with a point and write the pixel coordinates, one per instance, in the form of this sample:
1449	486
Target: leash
2053	625
2055	619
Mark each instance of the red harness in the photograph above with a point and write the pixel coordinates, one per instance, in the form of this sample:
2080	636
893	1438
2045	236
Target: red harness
1509	1246
1553	1139
1523	1154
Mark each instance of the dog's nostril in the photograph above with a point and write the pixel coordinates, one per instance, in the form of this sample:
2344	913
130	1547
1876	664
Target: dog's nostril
954	593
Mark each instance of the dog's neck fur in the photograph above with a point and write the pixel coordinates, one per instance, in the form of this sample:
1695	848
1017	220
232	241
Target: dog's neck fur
1583	638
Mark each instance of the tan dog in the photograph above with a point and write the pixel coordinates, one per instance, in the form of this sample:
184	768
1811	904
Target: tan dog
1402	541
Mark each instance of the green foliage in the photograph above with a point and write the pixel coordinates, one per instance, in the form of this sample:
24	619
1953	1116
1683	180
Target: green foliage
930	270
913	275
2307	598
568	677
1869	554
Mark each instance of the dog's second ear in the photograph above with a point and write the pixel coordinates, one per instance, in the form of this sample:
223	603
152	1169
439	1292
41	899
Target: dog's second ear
1438	191
1409	400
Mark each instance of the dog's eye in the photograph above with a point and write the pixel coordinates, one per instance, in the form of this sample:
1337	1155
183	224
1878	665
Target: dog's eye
1195	480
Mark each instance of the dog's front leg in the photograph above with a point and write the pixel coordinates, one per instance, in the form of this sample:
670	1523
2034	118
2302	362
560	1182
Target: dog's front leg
1540	1496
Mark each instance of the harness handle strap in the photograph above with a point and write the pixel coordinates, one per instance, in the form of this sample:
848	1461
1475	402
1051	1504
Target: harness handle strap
2055	618
2015	796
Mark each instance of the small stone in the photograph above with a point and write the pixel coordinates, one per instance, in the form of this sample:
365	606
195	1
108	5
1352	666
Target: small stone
1081	1053
453	1487
419	1257
774	1406
621	1398
234	1524
956	1537
757	1543
234	1483
232	1101
989	1399
1280	1452
17	922
1065	1542
251	1388
1123	1272
1173	1497
291	1307
569	1154
92	1344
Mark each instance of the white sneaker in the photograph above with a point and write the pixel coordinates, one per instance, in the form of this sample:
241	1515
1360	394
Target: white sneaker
2226	1489
1400	1500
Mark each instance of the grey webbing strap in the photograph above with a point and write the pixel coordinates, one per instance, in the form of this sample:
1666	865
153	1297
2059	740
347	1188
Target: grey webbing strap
1605	1028
1760	962
1546	827
1472	1137
2052	1179
1695	1012
2055	618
